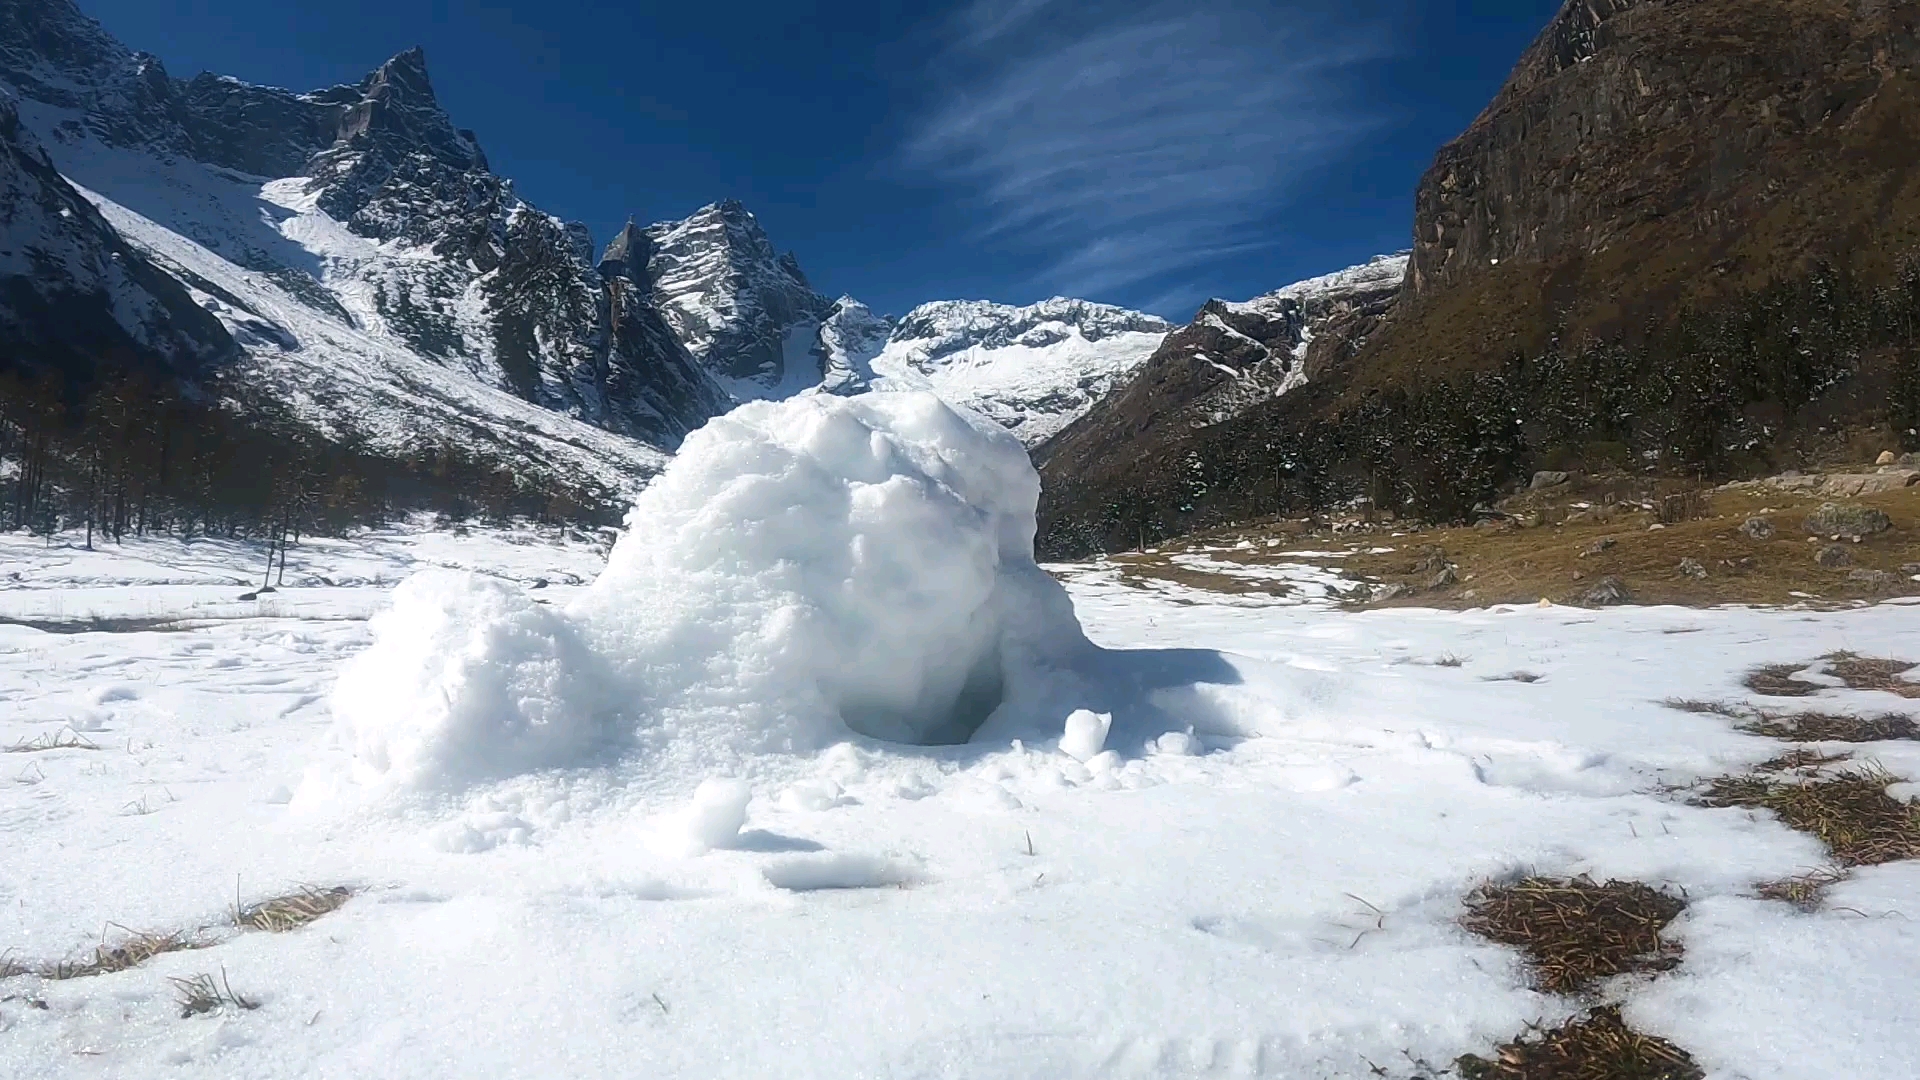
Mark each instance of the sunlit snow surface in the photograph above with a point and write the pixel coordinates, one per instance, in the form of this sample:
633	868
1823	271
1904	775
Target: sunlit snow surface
1196	898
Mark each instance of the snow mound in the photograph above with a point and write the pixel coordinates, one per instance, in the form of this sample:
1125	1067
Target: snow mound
804	570
820	564
469	679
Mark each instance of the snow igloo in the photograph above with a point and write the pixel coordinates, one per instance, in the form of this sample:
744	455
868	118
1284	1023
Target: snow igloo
802	570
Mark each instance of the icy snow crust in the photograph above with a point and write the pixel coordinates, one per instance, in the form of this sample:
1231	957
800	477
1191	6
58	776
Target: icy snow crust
1196	898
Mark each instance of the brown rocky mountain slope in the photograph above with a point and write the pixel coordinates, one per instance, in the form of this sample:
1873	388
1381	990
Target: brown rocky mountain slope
1674	239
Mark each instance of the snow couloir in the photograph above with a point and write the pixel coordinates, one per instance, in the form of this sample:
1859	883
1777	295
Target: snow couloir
803	571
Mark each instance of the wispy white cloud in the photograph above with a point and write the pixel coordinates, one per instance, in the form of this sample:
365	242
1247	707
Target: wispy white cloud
1131	140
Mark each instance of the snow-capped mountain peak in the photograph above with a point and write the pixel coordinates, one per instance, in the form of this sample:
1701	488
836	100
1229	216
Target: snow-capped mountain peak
742	309
1033	368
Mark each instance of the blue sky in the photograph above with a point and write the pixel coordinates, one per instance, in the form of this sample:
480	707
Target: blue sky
1139	152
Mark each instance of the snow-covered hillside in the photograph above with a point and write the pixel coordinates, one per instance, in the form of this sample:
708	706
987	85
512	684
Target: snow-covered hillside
647	826
1031	369
383	283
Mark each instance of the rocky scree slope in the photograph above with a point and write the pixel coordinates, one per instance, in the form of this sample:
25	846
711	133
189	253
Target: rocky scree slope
384	283
1673	238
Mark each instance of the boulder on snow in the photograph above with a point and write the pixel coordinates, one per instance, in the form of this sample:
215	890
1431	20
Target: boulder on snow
1849	520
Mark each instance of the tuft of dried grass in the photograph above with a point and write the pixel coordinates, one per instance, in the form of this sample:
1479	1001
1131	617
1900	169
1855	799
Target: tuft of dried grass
1683	506
129	952
1800	759
1577	932
1716	708
1598	1046
61	740
1805	891
200	994
292	911
1870	673
1450	660
1776	680
1830	727
1850	811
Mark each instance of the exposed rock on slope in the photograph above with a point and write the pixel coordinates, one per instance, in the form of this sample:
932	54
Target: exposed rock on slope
72	292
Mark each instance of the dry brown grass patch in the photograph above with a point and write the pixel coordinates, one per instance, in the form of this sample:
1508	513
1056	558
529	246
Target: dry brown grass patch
1717	708
1849	811
1830	727
1805	891
129	952
292	911
1800	759
1598	1046
1577	932
1869	673
1776	680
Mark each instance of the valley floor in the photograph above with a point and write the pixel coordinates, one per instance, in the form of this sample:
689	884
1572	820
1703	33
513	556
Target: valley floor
1276	892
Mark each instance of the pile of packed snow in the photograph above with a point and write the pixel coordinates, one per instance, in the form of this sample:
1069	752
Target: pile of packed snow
804	571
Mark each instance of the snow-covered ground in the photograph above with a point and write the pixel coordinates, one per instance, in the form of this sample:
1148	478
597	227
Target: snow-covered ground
1253	869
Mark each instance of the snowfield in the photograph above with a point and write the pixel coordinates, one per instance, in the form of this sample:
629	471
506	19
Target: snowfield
634	827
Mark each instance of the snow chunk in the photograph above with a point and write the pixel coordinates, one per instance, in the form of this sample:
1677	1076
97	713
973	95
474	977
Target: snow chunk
1085	734
712	820
468	679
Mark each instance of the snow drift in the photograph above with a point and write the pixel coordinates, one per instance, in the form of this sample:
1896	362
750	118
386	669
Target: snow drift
804	570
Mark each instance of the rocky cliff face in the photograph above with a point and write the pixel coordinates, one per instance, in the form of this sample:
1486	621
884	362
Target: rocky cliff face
741	309
73	293
1650	153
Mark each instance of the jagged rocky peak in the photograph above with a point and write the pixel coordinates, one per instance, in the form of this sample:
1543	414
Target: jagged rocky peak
742	309
950	326
397	110
72	292
626	254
